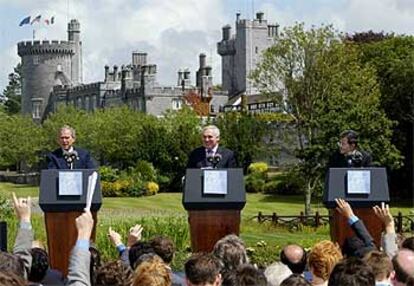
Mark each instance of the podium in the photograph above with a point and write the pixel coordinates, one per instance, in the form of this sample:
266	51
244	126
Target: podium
362	188
213	199
61	206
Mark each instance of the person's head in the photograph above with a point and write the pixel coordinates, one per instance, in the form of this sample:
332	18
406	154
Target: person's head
403	263
354	246
323	257
276	273
8	278
210	136
295	280
114	273
164	247
294	256
348	141
138	249
11	263
66	137
352	271
40	264
152	272
203	269
247	275
231	251
380	263
95	261
408	243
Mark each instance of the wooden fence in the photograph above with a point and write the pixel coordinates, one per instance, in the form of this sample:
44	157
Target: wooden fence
403	223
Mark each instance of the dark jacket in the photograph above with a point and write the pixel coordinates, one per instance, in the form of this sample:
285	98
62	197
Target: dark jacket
361	159
197	158
55	160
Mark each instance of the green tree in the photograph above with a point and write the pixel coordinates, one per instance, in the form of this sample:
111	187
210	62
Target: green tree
11	97
322	86
392	57
21	141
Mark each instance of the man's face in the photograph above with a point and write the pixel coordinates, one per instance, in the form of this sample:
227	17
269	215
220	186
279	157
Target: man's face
209	139
345	147
66	139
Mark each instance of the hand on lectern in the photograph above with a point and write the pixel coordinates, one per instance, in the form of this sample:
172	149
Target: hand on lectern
384	214
344	208
84	225
22	207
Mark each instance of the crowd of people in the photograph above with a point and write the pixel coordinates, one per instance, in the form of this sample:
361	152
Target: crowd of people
147	263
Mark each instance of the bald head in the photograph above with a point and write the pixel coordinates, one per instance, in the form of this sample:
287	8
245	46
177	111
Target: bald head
294	256
403	263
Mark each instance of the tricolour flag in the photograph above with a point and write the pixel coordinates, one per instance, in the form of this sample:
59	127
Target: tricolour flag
37	19
50	21
25	21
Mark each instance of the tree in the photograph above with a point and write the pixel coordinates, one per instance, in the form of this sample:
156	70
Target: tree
21	141
393	59
11	97
320	84
200	105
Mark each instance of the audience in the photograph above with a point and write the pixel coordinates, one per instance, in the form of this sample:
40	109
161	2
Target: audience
247	275
381	266
203	269
226	265
403	263
276	273
322	259
232	253
295	280
295	257
352	271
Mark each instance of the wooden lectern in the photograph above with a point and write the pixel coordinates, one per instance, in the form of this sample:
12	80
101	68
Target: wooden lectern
60	212
372	190
213	199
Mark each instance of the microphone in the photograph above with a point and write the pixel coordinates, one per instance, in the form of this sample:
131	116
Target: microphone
70	157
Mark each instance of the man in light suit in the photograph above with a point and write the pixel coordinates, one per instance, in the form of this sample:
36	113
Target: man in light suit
211	155
67	156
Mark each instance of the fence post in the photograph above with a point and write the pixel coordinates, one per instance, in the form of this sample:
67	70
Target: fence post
301	218
274	218
317	219
3	236
259	217
399	223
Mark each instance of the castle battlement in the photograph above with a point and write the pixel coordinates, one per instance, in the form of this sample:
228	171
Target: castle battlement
83	87
226	47
44	47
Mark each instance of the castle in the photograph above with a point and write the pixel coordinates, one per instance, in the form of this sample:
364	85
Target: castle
52	74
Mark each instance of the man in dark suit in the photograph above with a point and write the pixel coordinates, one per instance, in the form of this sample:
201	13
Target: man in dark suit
349	155
211	155
67	156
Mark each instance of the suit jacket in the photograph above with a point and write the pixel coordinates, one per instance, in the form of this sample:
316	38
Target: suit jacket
339	160
55	160
197	158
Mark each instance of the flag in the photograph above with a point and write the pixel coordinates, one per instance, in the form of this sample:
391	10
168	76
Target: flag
25	21
47	21
37	19
52	20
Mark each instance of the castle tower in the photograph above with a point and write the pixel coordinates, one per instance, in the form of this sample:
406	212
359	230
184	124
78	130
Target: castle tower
240	53
74	39
46	64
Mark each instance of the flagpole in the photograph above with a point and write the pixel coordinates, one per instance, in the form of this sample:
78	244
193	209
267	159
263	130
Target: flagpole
33	34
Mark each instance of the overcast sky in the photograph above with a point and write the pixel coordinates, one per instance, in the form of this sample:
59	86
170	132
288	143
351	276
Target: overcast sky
175	32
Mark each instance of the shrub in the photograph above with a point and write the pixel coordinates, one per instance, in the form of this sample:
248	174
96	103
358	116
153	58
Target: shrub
254	183
118	188
291	183
258	167
151	188
271	186
108	174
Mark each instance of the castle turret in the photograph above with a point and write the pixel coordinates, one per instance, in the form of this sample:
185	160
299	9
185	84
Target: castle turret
44	65
74	39
241	52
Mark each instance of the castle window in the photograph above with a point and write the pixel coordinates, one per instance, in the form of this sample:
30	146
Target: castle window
36	109
256	50
177	104
35	59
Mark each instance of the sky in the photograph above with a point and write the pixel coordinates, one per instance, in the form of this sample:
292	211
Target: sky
175	32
